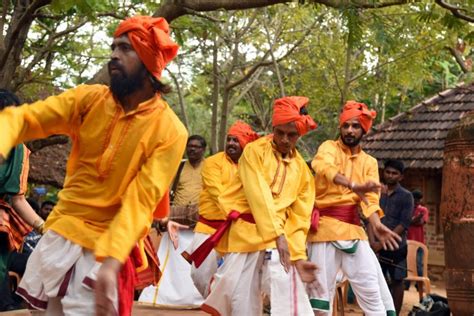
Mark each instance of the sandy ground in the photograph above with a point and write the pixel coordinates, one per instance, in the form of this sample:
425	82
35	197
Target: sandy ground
410	299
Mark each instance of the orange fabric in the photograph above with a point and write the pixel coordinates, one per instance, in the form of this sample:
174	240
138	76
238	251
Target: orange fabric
243	132
361	111
287	109
13	226
151	40
163	208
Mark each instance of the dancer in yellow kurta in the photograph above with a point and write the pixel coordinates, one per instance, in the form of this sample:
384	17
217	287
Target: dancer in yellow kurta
126	147
347	179
218	172
268	206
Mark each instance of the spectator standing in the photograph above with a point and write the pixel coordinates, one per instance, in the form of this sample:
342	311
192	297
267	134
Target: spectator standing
397	204
416	231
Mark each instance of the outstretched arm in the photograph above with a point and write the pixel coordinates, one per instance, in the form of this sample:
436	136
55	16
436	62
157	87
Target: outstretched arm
56	115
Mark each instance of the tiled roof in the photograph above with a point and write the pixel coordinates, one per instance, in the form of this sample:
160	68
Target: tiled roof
417	136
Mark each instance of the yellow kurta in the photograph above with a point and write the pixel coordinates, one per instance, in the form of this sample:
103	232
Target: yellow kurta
334	157
217	173
120	165
279	192
189	185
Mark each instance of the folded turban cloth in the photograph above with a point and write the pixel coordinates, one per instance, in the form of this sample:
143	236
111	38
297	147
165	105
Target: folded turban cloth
289	109
360	110
243	132
151	40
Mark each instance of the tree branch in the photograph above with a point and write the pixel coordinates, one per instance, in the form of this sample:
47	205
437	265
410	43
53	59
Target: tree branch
359	4
272	55
455	10
180	98
263	61
173	9
395	60
27	15
458	56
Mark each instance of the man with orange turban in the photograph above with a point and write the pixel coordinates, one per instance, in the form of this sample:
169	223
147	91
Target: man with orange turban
217	173
263	239
126	147
347	181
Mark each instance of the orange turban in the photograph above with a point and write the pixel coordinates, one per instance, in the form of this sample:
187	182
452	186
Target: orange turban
287	109
151	40
361	111
243	132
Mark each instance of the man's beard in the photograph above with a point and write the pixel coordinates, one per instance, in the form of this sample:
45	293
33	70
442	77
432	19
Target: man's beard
351	141
124	84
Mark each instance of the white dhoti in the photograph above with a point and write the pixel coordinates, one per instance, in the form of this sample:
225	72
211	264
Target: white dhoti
175	288
361	269
385	291
59	278
203	275
240	281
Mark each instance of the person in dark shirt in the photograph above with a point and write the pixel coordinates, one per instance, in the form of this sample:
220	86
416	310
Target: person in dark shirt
397	204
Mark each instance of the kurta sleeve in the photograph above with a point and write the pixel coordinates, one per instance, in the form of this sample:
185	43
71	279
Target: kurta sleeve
55	115
25	168
152	181
373	198
299	216
324	163
258	193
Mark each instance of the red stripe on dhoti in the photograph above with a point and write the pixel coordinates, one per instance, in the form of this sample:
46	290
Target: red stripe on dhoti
201	253
344	213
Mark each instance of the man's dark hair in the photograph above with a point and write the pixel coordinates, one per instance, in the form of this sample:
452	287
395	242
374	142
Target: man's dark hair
417	194
48	202
159	86
8	98
395	164
34	204
199	138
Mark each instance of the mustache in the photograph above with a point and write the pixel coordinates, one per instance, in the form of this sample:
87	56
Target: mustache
115	64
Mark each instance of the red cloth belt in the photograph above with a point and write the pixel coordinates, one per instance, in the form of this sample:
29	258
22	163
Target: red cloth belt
214	223
201	253
127	278
344	213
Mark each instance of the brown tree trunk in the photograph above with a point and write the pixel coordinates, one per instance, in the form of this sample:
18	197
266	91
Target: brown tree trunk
224	119
17	33
215	97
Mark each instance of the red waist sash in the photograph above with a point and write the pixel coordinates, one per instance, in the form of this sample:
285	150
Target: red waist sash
344	213
201	253
214	223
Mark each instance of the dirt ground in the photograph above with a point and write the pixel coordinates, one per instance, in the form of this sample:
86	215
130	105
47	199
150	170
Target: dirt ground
410	299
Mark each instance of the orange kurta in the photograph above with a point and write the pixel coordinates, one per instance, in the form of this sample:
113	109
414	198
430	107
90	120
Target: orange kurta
217	173
120	166
278	192
334	157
